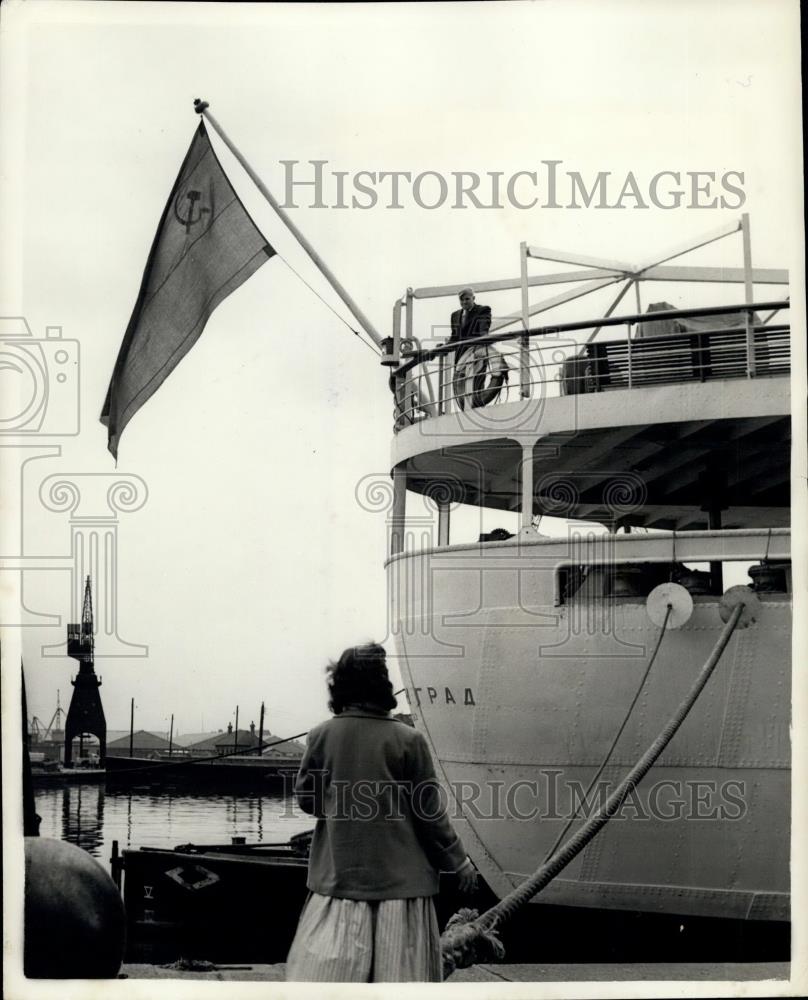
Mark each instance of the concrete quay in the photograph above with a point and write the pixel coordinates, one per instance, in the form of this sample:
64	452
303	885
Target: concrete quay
526	973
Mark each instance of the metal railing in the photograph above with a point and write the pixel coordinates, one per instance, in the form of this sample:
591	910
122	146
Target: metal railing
561	360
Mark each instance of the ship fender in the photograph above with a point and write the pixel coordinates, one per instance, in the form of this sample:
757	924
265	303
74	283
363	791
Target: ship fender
74	920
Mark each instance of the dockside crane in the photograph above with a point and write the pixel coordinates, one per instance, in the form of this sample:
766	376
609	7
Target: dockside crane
85	714
55	718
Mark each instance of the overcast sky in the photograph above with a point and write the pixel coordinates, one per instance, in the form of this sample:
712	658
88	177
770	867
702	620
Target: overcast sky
251	562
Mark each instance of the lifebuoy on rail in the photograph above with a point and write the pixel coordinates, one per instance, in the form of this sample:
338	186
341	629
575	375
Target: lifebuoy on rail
479	376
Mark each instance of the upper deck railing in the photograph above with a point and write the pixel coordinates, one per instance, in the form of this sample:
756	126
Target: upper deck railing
657	348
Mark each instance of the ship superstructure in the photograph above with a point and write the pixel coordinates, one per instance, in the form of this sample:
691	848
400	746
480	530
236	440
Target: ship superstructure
662	439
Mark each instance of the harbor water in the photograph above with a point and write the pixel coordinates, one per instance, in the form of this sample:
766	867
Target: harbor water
92	817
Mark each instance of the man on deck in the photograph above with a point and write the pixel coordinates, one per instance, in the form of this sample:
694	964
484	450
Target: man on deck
469	321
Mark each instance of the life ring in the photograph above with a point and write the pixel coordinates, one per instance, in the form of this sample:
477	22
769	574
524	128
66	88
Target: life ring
479	376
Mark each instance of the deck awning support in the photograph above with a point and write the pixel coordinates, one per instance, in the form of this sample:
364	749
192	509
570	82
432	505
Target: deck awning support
526	521
597	273
444	511
749	294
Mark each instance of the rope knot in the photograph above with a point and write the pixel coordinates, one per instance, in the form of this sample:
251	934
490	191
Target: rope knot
466	941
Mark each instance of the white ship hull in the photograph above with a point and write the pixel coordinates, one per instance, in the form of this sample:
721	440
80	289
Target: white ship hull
520	698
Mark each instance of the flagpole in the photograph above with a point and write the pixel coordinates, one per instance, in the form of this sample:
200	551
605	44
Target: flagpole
202	108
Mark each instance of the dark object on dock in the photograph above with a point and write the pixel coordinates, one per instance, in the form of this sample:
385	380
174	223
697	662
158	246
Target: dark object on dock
74	917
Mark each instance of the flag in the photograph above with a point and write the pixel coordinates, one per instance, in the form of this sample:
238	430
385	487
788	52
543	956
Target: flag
206	246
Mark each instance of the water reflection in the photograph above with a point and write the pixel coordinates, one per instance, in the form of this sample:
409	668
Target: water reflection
83	816
92	817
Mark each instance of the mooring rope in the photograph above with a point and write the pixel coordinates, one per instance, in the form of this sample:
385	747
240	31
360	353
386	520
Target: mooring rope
470	938
617	736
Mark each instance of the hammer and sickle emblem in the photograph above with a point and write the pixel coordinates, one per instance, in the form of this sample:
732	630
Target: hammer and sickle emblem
194	212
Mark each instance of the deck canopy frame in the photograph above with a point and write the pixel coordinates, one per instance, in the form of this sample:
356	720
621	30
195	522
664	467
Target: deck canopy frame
591	275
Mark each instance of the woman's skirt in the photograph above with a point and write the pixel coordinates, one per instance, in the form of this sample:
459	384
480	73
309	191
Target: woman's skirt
366	941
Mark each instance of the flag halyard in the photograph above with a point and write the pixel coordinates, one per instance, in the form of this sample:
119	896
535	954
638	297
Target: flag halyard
206	246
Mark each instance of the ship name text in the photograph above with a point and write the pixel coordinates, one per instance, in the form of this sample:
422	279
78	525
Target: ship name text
429	695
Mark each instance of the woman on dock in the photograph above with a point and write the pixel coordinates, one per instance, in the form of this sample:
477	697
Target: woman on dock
381	839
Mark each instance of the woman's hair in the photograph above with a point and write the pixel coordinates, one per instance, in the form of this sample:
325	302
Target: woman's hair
360	677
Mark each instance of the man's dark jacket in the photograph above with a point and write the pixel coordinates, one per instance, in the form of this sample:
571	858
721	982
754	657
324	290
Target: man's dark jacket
478	323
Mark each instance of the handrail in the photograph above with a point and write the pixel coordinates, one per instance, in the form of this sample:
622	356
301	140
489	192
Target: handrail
419	357
745	350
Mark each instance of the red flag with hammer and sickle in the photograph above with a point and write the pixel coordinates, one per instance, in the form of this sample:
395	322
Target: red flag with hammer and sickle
206	246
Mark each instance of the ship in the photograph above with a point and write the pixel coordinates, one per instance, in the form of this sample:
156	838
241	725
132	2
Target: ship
659	439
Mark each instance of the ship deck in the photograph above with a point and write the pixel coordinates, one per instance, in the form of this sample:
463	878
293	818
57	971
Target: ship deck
673	425
668	447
